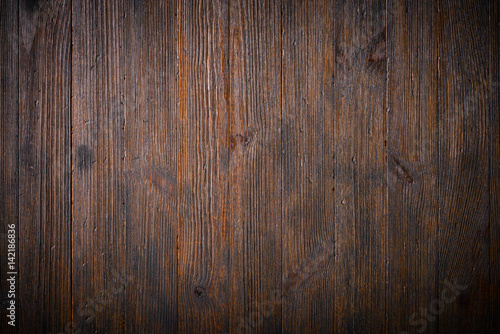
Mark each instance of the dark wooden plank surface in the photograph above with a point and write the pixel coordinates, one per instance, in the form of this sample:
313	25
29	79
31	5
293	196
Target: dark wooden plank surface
203	238
360	166
9	155
308	166
150	122
494	163
262	166
99	197
463	226
44	166
412	153
255	168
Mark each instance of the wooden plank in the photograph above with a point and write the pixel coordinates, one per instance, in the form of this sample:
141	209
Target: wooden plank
308	166
494	180
203	85
151	164
255	167
360	166
44	166
9	153
99	74
225	153
463	165
412	148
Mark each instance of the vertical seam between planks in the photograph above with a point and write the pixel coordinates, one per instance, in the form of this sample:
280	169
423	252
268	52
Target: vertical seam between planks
307	92
386	135
437	21
18	134
281	162
18	126
490	152
42	162
228	177
71	153
179	129
123	162
332	87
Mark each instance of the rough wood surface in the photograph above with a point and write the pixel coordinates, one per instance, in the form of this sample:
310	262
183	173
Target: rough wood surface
99	194
360	166
151	158
413	162
255	168
203	97
237	166
494	163
9	152
307	133
464	132
44	234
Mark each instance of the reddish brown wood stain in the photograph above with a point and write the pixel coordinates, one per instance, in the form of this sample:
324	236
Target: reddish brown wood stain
256	166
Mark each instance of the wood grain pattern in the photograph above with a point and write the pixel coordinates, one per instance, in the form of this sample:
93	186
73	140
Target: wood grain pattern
308	166
203	244
99	190
44	165
463	227
152	146
237	166
9	144
255	167
360	166
494	164
413	162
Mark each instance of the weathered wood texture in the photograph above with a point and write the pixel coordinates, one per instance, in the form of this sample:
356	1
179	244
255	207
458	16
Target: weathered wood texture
464	132
203	96
360	166
413	162
237	166
99	196
45	226
494	173
307	132
255	168
9	130
151	157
